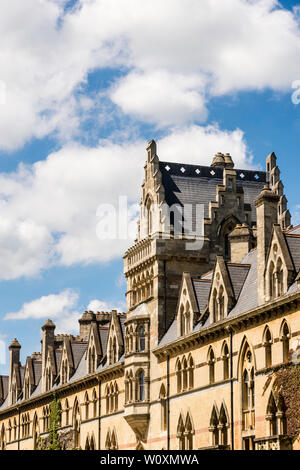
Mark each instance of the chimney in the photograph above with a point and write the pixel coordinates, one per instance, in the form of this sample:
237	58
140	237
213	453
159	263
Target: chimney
84	324
47	340
14	358
241	241
266	215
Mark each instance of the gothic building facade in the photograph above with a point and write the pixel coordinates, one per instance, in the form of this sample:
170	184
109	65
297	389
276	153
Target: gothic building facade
213	312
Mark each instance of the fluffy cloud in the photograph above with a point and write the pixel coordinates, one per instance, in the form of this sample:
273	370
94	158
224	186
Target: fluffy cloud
49	209
62	308
174	54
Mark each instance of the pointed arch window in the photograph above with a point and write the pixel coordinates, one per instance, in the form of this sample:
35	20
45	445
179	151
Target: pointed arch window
94	403
248	391
179	377
276	417
163	403
267	342
142	339
185	432
140	389
211	366
86	405
225	359
76	425
221	303
285	338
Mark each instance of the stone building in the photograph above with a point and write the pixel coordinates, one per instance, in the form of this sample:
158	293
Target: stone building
213	300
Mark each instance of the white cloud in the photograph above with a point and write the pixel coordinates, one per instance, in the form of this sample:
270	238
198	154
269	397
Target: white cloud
49	306
100	306
161	98
62	308
175	55
48	209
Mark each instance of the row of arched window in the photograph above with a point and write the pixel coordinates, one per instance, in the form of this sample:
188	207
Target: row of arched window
142	288
135	339
185	319
111	397
135	386
185	374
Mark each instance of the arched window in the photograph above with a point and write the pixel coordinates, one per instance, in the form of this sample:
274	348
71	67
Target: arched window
215	306
267	342
142	339
94	403
285	338
221	303
67	411
187	319
211	366
271	416
184	374
9	431
140	391
248	390
190	373
114	357
149	217
179	378
76	424
180	433
3	438
163	403
279	273
111	440
213	427
272	287
86	405
116	397
35	431
189	433
223	427
225	358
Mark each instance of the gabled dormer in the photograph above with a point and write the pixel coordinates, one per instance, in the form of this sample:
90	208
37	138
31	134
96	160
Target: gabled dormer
187	309
94	352
279	271
67	364
115	344
51	371
16	384
221	299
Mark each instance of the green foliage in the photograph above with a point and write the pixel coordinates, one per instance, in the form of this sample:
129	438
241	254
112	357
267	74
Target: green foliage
55	420
287	387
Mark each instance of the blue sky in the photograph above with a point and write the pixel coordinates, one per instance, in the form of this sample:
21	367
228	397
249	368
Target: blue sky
87	85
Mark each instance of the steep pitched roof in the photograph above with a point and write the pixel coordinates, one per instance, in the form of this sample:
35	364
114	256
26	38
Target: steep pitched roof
201	289
237	274
197	184
293	241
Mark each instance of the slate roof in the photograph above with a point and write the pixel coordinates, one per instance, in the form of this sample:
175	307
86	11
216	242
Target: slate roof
293	241
78	350
238	274
37	369
197	185
201	289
